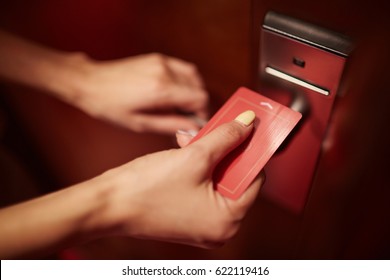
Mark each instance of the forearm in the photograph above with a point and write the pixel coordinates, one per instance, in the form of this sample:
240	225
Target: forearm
56	72
49	223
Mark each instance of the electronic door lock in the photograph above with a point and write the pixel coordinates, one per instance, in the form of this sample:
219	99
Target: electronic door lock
301	66
302	55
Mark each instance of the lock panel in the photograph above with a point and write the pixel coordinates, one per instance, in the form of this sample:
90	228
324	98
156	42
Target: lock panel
299	64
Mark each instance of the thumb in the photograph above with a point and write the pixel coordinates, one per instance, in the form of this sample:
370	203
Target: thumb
225	138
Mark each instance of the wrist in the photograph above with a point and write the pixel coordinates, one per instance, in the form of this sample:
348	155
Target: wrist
111	210
71	77
58	220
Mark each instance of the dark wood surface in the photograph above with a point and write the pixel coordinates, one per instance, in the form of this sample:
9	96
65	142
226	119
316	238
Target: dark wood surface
347	215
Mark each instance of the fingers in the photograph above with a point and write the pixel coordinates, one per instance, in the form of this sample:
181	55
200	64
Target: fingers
239	208
242	204
191	94
188	99
167	124
219	142
184	137
185	71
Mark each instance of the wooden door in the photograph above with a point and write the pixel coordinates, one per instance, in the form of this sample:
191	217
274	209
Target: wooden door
347	214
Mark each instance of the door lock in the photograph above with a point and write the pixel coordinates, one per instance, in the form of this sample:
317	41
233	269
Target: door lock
300	66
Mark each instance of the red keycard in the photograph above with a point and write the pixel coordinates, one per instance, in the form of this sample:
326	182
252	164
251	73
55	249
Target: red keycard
273	123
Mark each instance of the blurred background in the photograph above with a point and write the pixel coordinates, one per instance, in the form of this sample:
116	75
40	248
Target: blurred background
47	145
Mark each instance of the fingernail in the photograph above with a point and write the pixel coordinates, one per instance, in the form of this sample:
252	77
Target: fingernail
187	132
246	118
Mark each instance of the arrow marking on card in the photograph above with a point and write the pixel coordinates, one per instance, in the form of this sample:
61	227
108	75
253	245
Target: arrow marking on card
266	104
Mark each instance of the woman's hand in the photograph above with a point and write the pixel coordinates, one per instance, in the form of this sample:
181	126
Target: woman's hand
166	196
150	92
170	195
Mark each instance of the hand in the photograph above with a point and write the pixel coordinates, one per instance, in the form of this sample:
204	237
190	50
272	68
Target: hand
170	195
145	93
164	196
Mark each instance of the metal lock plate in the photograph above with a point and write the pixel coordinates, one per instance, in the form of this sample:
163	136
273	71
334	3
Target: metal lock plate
302	64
